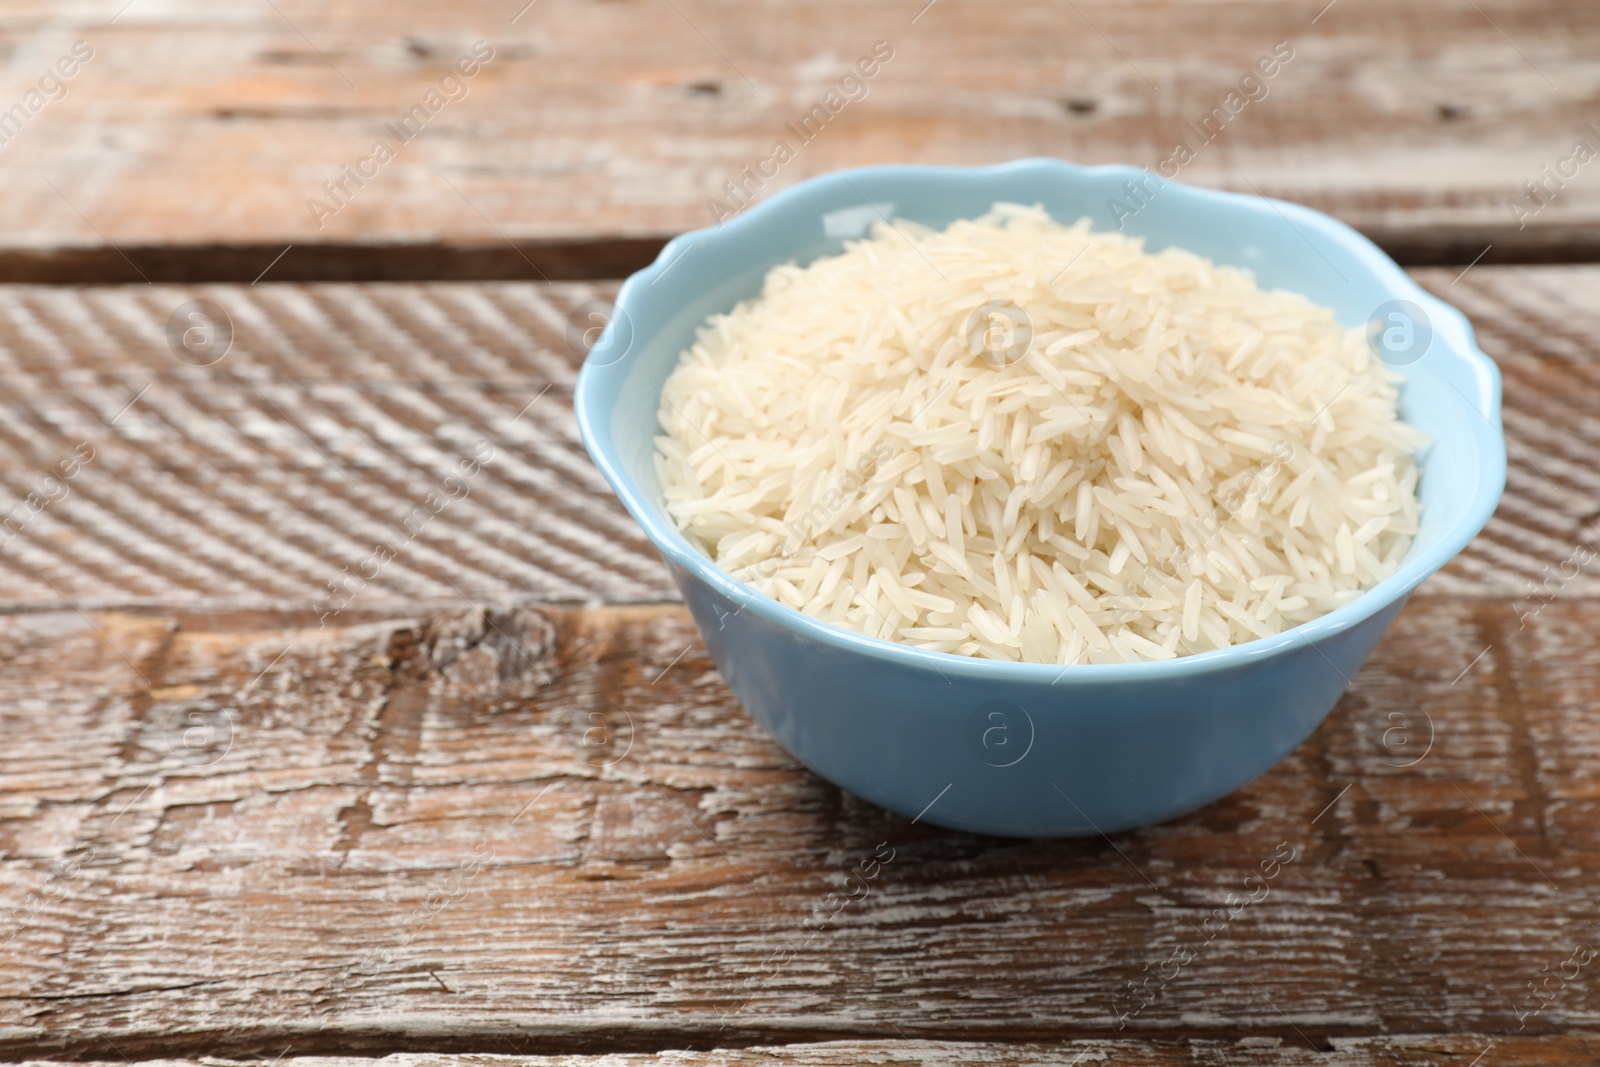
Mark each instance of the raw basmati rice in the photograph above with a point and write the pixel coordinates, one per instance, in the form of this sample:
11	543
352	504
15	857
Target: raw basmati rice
1031	442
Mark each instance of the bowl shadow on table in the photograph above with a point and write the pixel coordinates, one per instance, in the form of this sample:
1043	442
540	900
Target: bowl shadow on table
634	699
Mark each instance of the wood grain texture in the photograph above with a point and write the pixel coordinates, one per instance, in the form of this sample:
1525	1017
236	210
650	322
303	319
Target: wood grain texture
1408	1051
192	142
265	480
1533	324
339	421
553	826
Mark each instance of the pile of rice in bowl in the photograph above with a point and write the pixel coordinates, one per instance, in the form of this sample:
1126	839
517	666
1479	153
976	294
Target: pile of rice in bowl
1025	441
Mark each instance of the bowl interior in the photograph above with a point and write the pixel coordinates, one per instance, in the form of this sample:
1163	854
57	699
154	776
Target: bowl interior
1451	391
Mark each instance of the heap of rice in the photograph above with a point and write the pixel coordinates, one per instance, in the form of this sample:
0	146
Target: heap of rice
1174	461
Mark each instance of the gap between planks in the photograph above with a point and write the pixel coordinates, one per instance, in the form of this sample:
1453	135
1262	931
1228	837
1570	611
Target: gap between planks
1379	1052
606	257
835	1048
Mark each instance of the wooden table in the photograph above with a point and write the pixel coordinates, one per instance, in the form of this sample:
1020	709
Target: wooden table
264	799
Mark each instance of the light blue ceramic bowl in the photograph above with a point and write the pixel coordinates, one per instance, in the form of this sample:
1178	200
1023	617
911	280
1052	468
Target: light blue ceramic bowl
1024	749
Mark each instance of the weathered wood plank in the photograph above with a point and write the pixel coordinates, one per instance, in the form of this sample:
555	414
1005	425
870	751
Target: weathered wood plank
1403	1051
237	833
340	419
1529	321
260	480
193	140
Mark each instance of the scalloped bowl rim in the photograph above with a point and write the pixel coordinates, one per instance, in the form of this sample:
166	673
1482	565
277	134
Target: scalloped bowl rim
1451	327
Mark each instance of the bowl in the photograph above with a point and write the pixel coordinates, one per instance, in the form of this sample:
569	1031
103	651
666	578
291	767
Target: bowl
1032	750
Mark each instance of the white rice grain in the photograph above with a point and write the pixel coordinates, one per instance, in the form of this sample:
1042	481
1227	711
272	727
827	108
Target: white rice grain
1179	461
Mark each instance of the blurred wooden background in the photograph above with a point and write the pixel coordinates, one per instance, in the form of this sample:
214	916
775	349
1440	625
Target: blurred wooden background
194	137
497	802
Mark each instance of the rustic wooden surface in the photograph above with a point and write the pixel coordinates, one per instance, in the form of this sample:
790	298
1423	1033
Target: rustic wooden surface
256	481
493	805
501	802
1247	1052
240	833
188	146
